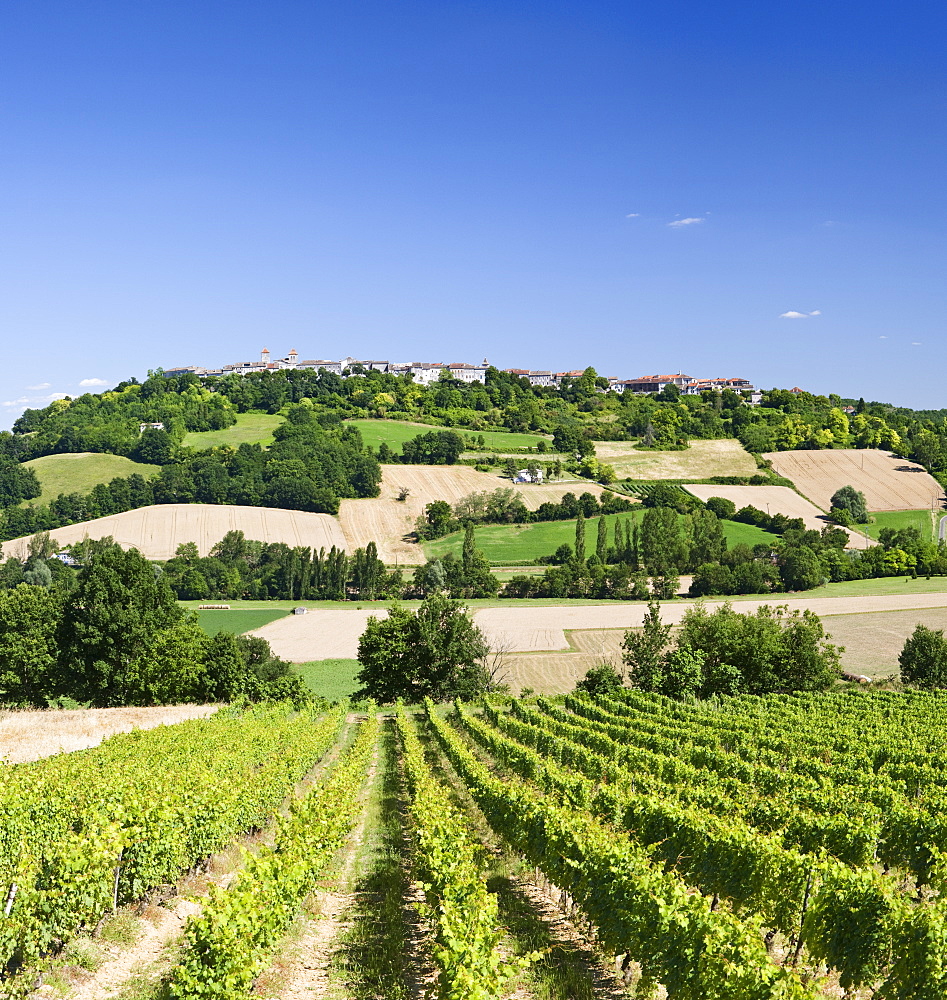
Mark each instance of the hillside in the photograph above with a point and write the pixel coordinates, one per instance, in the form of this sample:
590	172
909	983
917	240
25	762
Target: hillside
250	428
158	530
79	472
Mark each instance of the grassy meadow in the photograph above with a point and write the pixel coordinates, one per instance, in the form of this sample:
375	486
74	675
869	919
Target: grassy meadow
239	620
395	432
250	428
79	472
920	519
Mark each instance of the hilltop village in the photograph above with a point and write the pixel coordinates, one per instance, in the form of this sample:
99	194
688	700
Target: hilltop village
424	373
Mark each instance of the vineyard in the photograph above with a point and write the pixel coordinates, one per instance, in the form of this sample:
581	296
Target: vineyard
774	848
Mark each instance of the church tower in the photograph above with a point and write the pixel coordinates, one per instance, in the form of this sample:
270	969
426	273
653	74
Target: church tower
265	356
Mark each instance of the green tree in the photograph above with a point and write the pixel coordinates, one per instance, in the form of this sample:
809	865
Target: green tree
643	650
923	659
601	541
681	672
721	506
437	652
770	650
602	680
29	618
109	621
801	568
580	538
852	502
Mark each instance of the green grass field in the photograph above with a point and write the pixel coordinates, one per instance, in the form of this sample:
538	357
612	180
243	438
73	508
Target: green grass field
250	428
511	543
396	432
79	472
332	679
239	620
920	519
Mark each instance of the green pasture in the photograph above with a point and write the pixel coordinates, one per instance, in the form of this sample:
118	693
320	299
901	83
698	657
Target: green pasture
395	432
511	543
920	519
79	472
331	679
239	620
250	428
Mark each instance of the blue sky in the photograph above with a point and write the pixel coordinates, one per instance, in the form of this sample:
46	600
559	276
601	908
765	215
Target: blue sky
639	187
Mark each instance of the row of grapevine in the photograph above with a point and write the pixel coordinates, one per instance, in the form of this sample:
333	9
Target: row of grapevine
81	833
899	826
696	952
228	945
464	914
721	856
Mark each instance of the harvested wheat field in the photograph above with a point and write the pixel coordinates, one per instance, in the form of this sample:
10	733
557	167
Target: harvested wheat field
526	628
386	520
30	735
157	531
701	460
889	483
777	500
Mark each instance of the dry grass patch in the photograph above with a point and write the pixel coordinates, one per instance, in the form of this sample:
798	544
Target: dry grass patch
888	482
874	641
702	460
157	531
30	735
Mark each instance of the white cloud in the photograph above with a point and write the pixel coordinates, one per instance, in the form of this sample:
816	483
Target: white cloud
16	402
916	343
93	381
632	215
792	314
816	312
677	223
36	388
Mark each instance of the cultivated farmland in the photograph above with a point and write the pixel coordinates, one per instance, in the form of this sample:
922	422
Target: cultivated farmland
776	500
78	472
386	520
889	483
525	627
157	531
701	460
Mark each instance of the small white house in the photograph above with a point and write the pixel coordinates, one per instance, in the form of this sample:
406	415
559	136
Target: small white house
300	611
150	427
523	476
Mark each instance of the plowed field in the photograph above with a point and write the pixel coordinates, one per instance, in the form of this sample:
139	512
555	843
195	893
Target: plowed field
889	483
776	500
157	531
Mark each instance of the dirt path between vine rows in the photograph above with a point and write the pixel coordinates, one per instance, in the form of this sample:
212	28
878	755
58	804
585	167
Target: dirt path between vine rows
163	923
331	913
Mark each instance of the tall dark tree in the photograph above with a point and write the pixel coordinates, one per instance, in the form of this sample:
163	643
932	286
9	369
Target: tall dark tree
109	623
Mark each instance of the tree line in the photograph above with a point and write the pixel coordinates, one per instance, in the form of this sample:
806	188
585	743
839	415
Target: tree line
114	634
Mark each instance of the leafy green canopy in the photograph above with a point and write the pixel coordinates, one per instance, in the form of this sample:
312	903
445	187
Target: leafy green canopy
725	652
436	652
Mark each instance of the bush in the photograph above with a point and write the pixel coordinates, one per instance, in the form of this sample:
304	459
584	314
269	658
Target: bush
923	659
722	507
601	680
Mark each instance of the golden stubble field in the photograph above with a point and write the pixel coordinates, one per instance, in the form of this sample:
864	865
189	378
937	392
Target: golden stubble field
387	521
548	648
701	460
157	531
30	735
777	500
888	482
